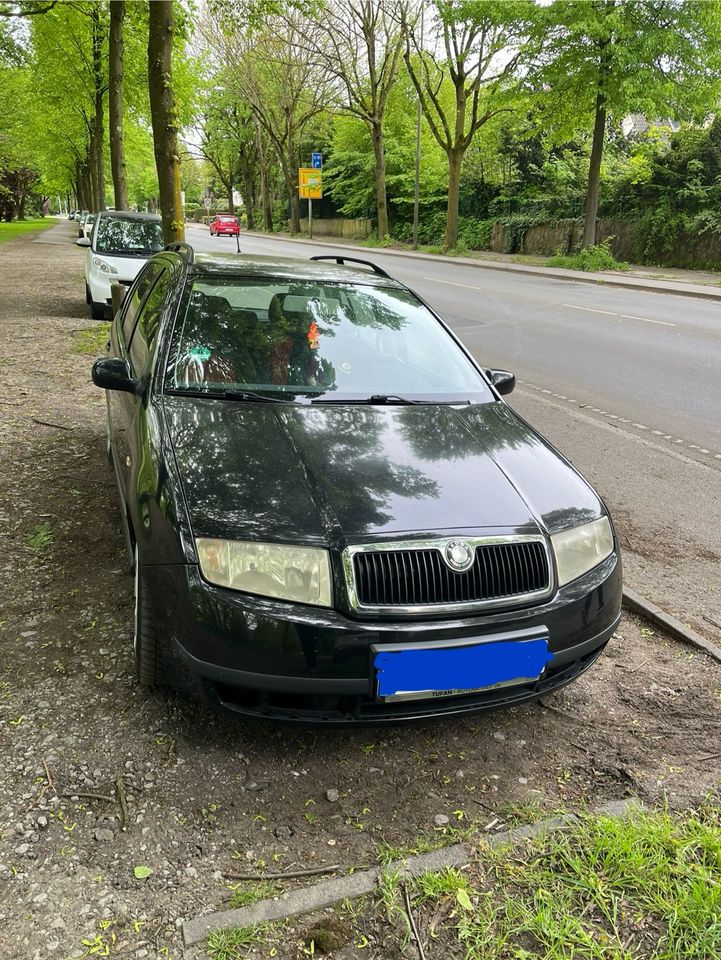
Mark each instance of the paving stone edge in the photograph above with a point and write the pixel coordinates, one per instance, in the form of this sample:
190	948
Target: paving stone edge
308	899
669	624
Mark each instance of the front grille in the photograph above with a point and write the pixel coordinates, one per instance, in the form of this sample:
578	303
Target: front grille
420	577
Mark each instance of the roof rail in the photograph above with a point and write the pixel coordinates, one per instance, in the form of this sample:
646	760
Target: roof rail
184	249
379	271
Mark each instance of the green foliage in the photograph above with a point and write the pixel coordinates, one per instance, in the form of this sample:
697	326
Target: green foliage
40	539
597	257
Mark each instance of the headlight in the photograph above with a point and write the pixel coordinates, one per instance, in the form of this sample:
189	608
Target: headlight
581	548
102	266
301	574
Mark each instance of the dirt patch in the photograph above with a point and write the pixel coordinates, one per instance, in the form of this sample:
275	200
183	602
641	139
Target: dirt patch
205	791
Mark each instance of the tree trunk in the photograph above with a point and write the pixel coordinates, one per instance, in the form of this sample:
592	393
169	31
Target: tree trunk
92	165
249	198
294	207
594	171
98	127
115	102
455	159
264	181
231	205
380	172
164	117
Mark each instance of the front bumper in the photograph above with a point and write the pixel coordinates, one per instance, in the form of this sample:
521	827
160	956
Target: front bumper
99	284
287	661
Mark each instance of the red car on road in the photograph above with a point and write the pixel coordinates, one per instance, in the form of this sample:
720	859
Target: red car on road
224	225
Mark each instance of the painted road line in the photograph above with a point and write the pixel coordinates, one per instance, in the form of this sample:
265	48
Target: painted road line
452	283
622	316
575	306
615	417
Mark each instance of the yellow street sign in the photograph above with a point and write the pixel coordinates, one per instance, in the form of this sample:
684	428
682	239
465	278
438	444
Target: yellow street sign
310	183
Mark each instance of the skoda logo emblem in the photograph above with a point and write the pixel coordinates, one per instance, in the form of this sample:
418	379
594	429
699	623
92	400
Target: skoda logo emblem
458	555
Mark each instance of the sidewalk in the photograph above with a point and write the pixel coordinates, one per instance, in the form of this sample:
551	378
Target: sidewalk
689	283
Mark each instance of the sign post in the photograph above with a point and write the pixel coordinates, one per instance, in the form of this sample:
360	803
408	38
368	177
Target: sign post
310	188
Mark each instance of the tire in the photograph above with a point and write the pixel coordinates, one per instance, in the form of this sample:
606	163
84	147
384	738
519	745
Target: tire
88	295
149	665
97	310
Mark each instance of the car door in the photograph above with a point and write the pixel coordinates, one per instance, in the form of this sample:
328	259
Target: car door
121	332
135	414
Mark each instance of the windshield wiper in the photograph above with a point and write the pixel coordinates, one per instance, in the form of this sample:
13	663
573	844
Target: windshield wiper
243	395
386	399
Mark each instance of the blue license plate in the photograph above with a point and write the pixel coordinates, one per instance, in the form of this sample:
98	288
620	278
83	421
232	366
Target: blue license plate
438	670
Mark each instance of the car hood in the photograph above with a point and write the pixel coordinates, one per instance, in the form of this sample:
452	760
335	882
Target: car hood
348	473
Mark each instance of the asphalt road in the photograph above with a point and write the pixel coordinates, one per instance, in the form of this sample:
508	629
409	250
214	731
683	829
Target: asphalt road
627	384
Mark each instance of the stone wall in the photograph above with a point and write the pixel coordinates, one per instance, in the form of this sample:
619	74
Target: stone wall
355	229
628	243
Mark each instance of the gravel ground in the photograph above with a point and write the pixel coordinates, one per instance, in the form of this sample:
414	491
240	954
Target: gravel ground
203	792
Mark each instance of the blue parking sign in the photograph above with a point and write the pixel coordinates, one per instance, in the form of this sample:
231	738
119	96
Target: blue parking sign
316	160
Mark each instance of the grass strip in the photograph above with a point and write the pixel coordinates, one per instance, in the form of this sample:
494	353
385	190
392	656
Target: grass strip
91	341
647	887
17	228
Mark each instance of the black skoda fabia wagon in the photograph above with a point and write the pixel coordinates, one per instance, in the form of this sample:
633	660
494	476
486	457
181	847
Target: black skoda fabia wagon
332	513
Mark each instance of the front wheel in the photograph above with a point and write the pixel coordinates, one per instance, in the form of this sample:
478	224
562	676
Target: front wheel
149	668
97	310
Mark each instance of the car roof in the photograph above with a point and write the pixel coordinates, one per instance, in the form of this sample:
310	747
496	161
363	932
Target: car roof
296	268
129	215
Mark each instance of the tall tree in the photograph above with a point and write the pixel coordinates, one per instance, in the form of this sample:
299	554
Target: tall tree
221	135
68	54
614	57
115	104
360	42
97	145
164	117
462	74
270	67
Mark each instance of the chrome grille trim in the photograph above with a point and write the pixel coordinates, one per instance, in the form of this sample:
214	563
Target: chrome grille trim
438	544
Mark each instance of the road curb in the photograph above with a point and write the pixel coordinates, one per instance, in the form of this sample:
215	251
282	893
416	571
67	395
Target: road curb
328	892
637	604
641	285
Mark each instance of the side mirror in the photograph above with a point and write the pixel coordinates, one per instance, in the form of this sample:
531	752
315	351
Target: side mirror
502	380
114	374
83	242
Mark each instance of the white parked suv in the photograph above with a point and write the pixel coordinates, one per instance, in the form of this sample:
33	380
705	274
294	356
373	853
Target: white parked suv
118	247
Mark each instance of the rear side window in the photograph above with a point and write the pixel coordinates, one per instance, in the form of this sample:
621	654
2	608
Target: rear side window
145	280
147	325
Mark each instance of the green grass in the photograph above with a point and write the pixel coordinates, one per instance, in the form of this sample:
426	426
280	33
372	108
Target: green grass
590	259
247	893
16	228
40	539
645	888
235	944
92	340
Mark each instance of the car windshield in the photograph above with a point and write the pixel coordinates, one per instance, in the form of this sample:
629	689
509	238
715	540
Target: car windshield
329	341
128	237
227	219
